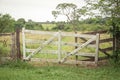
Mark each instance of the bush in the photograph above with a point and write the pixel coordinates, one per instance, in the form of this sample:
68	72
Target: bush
114	59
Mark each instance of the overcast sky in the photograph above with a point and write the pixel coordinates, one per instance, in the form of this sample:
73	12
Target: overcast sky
37	10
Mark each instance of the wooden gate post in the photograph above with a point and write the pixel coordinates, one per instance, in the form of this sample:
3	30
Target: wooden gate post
13	49
76	56
97	48
18	43
59	46
23	41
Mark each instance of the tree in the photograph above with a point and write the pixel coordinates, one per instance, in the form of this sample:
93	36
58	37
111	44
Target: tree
20	23
29	24
71	12
111	10
33	25
6	23
67	9
37	26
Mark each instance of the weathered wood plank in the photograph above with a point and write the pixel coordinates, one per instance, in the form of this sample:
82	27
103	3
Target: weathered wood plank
32	41
77	35
59	46
97	48
43	51
77	44
19	55
106	40
107	49
95	32
5	34
40	32
13	49
23	40
86	54
106	53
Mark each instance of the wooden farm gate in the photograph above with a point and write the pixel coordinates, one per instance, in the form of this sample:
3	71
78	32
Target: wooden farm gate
57	38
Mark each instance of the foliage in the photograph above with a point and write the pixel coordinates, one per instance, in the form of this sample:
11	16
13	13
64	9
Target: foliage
66	9
20	23
6	23
70	11
33	25
105	8
115	59
82	26
88	24
110	9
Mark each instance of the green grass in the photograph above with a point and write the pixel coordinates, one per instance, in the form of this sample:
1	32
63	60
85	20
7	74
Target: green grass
48	26
59	73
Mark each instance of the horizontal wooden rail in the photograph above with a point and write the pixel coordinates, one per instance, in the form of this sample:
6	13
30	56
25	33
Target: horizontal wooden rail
107	49
43	51
106	53
40	32
31	41
95	32
77	35
106	40
5	34
86	54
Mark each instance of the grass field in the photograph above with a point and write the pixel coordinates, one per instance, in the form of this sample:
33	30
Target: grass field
48	26
23	72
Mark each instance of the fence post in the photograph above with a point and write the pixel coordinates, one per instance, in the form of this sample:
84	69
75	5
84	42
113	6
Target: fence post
76	56
18	43
59	46
23	40
97	48
13	49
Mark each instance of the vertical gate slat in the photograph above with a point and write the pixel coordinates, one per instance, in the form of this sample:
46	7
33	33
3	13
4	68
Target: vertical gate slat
97	48
23	40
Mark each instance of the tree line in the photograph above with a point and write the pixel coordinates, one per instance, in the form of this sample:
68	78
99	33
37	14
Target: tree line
9	24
